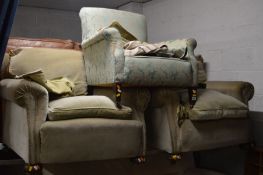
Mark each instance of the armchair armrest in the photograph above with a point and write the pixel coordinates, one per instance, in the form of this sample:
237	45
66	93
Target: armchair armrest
243	91
188	45
34	98
109	34
19	91
104	51
191	45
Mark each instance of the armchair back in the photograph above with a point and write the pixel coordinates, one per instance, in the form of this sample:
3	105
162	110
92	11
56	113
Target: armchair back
93	19
56	58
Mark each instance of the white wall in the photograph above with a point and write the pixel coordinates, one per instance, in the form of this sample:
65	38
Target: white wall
132	7
42	22
229	35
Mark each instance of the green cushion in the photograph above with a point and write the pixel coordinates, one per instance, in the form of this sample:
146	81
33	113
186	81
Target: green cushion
215	105
86	107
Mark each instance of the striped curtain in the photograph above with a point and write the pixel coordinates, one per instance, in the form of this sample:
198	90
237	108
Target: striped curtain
7	13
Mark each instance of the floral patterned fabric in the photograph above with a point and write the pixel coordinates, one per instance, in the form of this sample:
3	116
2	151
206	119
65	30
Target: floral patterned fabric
157	71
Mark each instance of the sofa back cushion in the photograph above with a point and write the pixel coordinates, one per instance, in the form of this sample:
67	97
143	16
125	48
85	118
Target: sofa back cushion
54	63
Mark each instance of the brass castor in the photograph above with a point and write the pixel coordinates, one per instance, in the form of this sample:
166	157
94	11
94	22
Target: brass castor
32	169
139	160
175	157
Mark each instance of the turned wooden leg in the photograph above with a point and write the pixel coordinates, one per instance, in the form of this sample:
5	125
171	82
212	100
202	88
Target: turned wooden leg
192	96
33	169
175	157
118	95
139	159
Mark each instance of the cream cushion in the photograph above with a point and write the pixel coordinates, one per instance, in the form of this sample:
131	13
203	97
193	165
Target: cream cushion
86	107
54	63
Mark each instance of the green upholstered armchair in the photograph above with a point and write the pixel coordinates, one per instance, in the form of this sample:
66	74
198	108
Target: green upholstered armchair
220	117
43	130
107	65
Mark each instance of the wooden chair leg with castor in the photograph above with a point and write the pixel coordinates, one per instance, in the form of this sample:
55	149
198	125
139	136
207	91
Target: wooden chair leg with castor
33	169
139	160
175	157
118	95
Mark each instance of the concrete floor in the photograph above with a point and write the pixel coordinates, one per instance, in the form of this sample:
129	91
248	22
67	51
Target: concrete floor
157	163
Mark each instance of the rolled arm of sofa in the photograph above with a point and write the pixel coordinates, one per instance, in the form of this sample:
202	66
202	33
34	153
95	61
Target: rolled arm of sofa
34	98
188	46
109	34
104	57
191	45
19	91
243	91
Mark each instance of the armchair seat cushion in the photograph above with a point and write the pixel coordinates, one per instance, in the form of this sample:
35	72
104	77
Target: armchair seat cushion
213	105
86	107
157	71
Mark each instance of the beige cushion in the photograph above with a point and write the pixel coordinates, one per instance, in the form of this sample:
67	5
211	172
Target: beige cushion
59	86
54	63
86	107
212	105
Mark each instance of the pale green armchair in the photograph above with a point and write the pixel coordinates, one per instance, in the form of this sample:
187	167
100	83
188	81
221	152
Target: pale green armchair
106	64
44	130
220	118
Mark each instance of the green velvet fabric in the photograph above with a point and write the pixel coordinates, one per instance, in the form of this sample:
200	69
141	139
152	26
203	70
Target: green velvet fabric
33	98
89	139
212	105
241	90
165	133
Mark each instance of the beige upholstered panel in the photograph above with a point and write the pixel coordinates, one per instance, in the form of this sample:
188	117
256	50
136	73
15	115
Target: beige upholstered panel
89	139
93	19
54	63
94	106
